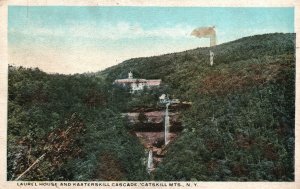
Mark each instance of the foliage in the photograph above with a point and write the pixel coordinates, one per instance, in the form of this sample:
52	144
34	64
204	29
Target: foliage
67	118
240	126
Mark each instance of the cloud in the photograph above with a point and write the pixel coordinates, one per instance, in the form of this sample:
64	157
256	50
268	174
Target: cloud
81	47
206	32
105	31
61	61
79	59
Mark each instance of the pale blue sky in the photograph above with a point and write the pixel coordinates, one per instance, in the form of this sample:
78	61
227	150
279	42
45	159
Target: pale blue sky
79	39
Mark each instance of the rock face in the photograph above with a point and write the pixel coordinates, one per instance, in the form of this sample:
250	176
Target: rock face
149	128
151	117
153	139
153	121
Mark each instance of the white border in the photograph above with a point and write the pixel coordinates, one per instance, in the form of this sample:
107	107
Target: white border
213	3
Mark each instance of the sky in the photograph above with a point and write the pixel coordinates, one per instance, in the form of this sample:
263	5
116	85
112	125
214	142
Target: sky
66	39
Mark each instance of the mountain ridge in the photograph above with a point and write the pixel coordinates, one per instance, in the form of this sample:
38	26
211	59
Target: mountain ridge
198	48
251	49
242	117
240	126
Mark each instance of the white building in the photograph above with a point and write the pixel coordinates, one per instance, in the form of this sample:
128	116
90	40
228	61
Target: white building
137	84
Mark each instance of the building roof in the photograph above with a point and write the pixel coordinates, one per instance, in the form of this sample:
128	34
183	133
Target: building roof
152	82
130	81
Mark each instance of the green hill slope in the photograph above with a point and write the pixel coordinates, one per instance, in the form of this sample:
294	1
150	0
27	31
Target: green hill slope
74	123
241	124
181	71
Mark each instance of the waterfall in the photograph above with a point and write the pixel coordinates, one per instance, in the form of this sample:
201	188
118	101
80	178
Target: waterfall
167	124
211	55
150	161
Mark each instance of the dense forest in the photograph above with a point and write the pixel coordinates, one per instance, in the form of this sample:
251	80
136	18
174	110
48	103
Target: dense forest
76	121
240	126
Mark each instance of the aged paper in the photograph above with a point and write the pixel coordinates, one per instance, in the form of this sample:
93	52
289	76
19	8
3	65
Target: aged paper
57	59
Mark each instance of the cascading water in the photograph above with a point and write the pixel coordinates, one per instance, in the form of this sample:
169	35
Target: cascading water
150	161
167	124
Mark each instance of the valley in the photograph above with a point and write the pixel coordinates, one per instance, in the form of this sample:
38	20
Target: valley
237	122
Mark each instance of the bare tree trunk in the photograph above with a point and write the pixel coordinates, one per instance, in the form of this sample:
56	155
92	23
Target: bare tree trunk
42	156
28	169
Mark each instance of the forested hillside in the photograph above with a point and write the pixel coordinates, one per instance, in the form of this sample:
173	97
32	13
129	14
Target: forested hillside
240	125
75	122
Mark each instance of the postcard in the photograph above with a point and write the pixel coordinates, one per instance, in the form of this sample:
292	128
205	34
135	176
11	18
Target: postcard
140	94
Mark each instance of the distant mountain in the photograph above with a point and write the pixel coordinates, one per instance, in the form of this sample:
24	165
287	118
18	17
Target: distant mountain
241	124
185	70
